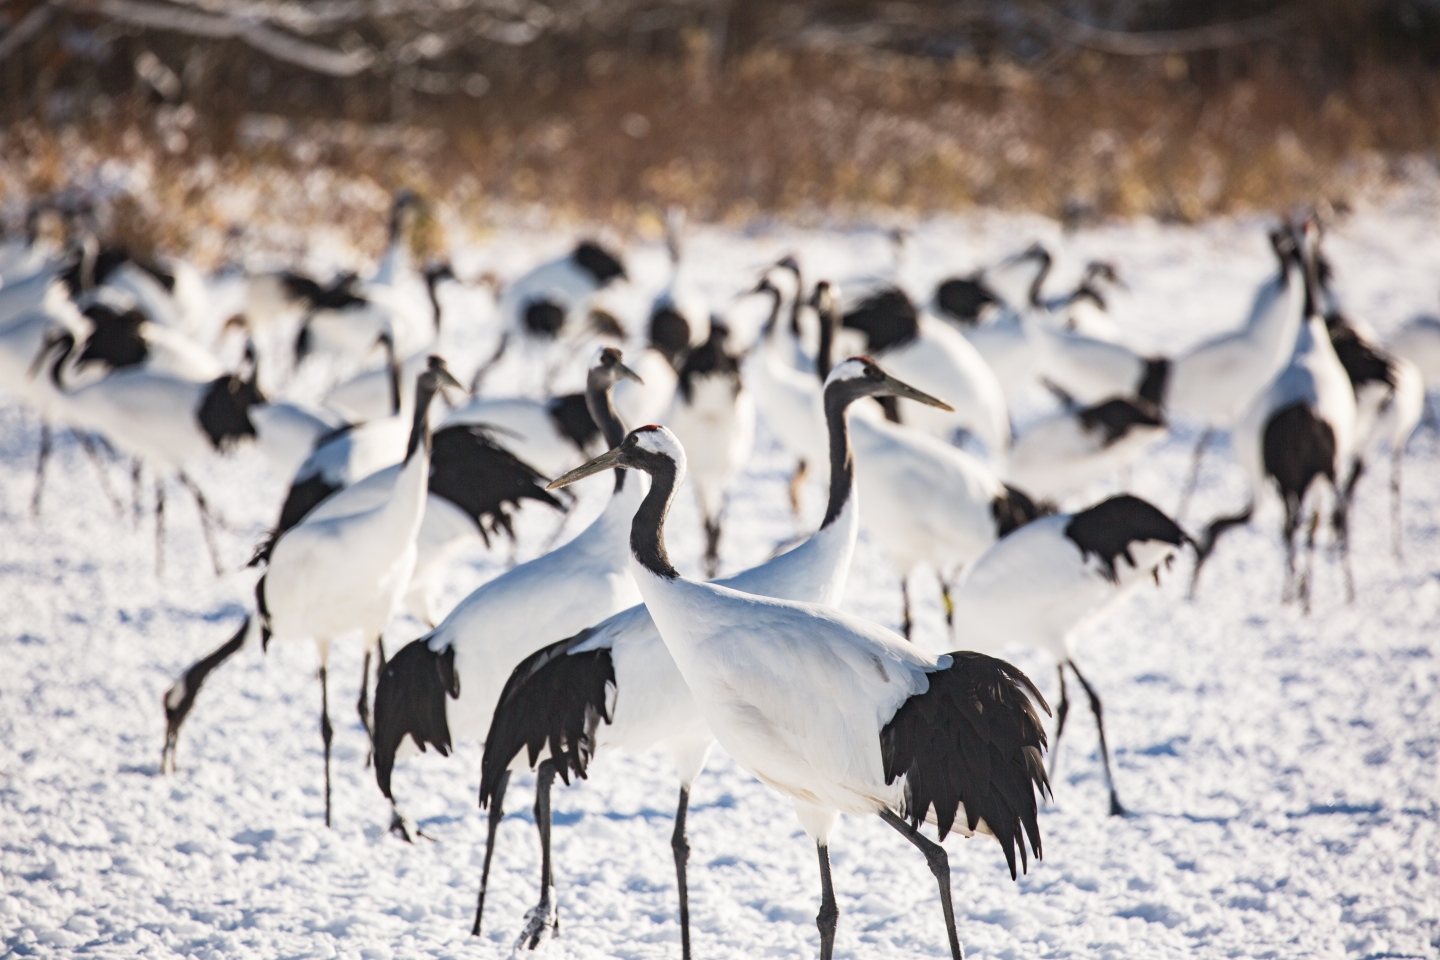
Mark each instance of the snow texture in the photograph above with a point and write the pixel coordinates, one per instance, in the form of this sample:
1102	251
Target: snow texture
1281	770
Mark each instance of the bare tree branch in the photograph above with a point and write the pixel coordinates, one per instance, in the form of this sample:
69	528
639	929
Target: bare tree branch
281	46
1155	42
30	24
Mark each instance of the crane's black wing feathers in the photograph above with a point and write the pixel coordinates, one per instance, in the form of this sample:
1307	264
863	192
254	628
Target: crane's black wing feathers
410	700
555	699
973	738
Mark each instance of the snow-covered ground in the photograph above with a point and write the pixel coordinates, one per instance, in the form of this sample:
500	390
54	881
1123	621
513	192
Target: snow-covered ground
1281	770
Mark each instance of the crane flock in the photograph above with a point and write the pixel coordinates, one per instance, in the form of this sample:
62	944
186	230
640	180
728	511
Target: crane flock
900	402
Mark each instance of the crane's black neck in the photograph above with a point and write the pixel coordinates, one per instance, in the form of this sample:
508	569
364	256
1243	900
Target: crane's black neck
838	397
66	345
774	318
420	426
1042	257
432	279
647	530
600	401
795	304
824	356
394	365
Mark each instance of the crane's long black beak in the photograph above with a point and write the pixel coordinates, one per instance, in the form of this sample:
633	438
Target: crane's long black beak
900	388
606	461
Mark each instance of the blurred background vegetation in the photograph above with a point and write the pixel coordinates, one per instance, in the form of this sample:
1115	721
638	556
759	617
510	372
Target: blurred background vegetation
613	109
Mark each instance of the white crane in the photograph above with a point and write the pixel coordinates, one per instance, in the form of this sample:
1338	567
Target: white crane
788	398
714	415
1418	341
552	435
549	303
1034	587
453	675
1216	382
348	318
1068	450
366	395
936	358
1299	431
167	421
335	576
473	485
619	670
1389	395
839	714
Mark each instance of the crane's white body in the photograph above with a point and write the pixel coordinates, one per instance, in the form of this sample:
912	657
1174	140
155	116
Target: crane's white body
1089	369
1036	587
367	395
287	433
925	501
791	401
942	362
333	575
1313	377
717	426
444	528
648	402
144	413
1215	382
1059	455
1005	347
553	596
1419	342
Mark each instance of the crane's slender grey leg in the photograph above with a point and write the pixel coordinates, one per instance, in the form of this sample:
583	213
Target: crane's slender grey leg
940	866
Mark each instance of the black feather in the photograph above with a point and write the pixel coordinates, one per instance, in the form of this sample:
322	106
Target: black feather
1362	363
972	738
224	414
484	479
544	318
1107	530
1013	509
410	701
887	318
1152	384
962	299
115	339
670	334
1297	448
554	699
1116	417
598	262
572	418
710	360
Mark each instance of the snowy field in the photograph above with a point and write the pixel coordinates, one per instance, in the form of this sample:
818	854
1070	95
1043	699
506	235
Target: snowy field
1281	770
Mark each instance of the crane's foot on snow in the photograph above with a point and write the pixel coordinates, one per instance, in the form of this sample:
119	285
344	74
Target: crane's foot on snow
541	923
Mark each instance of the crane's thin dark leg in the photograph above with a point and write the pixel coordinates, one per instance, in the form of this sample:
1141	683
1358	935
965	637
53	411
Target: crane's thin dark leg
207	519
940	866
159	525
47	444
497	812
92	452
1061	712
1292	523
681	846
1115	809
543	914
1397	538
829	916
797	481
180	698
1309	573
1194	479
362	706
135	467
712	547
905	622
327	733
948	603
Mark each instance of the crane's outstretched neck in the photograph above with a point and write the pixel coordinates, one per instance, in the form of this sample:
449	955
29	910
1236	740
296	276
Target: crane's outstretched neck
647	530
600	401
838	397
